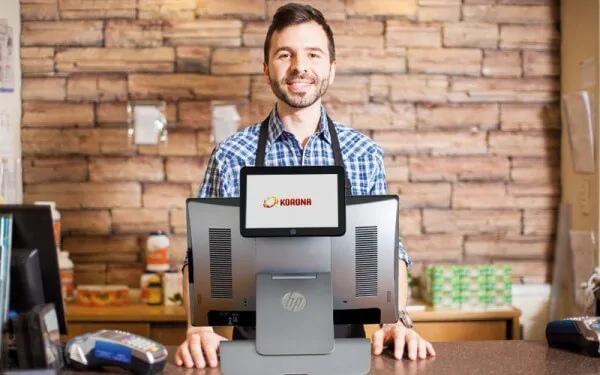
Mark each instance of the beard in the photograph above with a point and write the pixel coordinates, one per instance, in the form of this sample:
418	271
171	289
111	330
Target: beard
316	90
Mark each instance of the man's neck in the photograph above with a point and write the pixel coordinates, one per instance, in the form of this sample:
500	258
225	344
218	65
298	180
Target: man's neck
302	122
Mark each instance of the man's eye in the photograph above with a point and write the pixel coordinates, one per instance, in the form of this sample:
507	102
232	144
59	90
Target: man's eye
313	56
284	56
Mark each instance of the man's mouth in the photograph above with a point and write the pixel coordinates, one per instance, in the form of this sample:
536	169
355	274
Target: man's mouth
299	84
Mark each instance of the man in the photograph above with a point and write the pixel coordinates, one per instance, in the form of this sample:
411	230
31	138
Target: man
299	65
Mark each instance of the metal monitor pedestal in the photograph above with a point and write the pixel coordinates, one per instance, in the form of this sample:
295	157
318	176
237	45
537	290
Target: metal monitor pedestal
294	316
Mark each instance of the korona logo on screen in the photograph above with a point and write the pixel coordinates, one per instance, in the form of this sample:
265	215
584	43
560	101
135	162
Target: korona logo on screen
273	200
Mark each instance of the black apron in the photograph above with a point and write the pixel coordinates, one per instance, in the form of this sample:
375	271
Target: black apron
341	330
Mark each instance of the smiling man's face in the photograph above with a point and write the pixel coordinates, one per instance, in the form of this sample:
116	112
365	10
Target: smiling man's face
299	70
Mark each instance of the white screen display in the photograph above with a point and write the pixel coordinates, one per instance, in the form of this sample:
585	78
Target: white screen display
292	201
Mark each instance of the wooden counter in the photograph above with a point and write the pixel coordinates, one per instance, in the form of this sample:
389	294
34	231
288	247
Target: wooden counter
167	325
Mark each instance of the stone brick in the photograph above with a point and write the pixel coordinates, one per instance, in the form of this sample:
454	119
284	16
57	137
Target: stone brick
251	9
541	63
195	115
408	34
138	168
459	168
410	221
106	257
472	221
44	88
159	59
534	189
204	143
92	9
524	117
37	60
348	89
529	90
509	247
127	33
370	61
471	34
81	245
382	8
178	144
421	195
185	169
166	195
446	61
176	10
97	87
75	141
85	221
62	33
86	195
110	114
501	63
494	195
178	220
341	112
440	143
260	91
357	34
537	37
517	14
254	34
54	169
524	144
143	220
416	87
125	274
396	169
382	116
218	33
49	114
540	222
193	59
237	61
439	2
535	170
331	9
39	10
438	13
478	116
187	86
434	247
89	274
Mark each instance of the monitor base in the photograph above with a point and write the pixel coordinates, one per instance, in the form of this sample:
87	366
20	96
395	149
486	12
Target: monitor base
349	357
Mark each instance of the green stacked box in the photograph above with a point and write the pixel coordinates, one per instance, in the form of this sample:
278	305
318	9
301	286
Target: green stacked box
467	286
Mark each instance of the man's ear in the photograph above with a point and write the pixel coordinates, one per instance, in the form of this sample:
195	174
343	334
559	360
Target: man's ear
266	72
332	73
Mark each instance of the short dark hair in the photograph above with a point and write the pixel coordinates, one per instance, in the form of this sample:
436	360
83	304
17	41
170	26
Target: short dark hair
294	14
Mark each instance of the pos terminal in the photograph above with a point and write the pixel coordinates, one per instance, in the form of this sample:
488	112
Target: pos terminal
293	256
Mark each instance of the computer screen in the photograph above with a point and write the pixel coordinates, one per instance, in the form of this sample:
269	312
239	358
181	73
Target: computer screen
224	264
32	229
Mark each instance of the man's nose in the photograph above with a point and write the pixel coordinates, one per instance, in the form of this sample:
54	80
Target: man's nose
299	64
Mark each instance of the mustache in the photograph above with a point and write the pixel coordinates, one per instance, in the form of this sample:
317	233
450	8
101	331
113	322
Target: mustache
305	76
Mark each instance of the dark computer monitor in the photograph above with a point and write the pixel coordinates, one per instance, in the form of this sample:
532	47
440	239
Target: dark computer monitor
33	230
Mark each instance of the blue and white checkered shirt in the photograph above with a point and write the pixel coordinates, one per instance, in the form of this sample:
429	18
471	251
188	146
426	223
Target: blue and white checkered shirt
363	159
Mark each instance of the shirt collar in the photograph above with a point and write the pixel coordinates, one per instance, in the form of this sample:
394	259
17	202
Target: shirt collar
276	127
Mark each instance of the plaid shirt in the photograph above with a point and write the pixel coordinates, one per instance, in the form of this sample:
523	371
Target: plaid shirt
363	159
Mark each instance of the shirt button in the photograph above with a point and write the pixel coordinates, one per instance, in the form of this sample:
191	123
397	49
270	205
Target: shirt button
307	154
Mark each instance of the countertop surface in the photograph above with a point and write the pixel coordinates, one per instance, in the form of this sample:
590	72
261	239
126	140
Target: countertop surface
483	357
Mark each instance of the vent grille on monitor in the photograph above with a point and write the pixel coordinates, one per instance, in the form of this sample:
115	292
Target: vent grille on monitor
366	261
219	243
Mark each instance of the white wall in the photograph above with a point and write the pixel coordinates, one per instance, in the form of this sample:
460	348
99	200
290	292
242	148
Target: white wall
10	104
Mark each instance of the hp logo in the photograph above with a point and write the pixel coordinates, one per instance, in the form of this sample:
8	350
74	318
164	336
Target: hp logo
293	301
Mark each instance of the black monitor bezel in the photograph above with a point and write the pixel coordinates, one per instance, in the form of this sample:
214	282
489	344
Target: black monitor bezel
340	230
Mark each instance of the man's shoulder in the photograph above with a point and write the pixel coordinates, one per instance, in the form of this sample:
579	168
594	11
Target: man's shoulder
355	143
241	142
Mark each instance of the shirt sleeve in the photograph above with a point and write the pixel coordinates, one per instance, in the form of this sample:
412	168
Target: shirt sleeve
214	184
378	186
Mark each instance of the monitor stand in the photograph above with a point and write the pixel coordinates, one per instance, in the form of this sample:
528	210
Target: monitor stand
294	317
